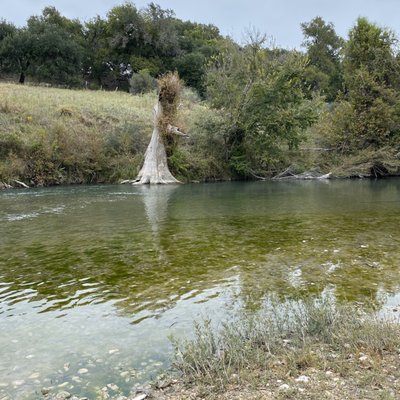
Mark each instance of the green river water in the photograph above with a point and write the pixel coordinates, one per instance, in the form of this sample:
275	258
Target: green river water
94	279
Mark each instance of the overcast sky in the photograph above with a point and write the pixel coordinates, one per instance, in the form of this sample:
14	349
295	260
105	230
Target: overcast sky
279	19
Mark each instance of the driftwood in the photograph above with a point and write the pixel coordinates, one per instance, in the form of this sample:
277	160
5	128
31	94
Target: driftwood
4	185
287	175
21	184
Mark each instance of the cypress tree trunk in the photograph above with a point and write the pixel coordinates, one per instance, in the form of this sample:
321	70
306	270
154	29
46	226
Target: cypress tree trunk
155	167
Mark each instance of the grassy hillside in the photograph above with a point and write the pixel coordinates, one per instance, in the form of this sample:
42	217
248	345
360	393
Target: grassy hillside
54	136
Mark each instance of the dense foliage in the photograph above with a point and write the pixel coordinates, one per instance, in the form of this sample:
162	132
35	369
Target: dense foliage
107	52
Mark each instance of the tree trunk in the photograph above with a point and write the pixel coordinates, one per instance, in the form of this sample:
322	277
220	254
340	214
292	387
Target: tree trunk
155	167
22	78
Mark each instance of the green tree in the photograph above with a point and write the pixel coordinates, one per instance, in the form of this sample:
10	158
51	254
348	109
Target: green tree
18	52
49	49
260	94
324	72
6	29
59	48
97	51
368	114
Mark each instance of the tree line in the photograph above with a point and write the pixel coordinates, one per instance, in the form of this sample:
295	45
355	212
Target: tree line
265	98
107	52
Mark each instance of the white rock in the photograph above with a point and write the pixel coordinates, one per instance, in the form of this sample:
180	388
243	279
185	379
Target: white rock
113	386
83	371
284	387
62	396
35	375
18	382
113	351
303	378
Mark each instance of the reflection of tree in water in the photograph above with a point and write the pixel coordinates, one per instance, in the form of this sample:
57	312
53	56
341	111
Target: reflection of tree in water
188	244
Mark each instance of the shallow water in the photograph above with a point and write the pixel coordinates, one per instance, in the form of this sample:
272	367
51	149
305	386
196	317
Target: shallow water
93	280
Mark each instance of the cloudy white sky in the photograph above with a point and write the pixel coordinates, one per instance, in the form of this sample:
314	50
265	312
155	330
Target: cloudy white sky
279	19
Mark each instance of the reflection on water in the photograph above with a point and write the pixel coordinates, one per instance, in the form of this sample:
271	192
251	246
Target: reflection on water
98	277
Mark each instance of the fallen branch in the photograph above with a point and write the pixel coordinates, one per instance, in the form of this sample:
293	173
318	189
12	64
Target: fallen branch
22	184
261	178
307	176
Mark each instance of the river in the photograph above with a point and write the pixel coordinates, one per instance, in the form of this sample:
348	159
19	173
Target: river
94	279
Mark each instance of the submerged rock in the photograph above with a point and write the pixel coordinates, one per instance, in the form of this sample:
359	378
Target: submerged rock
83	371
113	387
140	397
62	396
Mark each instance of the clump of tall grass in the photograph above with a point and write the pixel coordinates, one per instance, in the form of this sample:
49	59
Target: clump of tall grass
282	341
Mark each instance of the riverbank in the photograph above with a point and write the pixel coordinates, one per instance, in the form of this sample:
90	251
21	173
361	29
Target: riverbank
303	350
51	136
300	351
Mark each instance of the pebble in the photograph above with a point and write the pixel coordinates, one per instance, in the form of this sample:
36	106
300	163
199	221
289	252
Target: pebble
29	356
124	374
66	366
76	379
113	386
3	385
113	351
83	371
35	375
303	378
62	395
62	385
284	387
18	383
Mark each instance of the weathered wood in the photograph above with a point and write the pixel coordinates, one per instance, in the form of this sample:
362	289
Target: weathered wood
306	176
22	184
155	167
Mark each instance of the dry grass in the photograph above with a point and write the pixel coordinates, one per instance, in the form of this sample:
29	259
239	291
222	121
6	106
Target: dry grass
58	136
302	350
